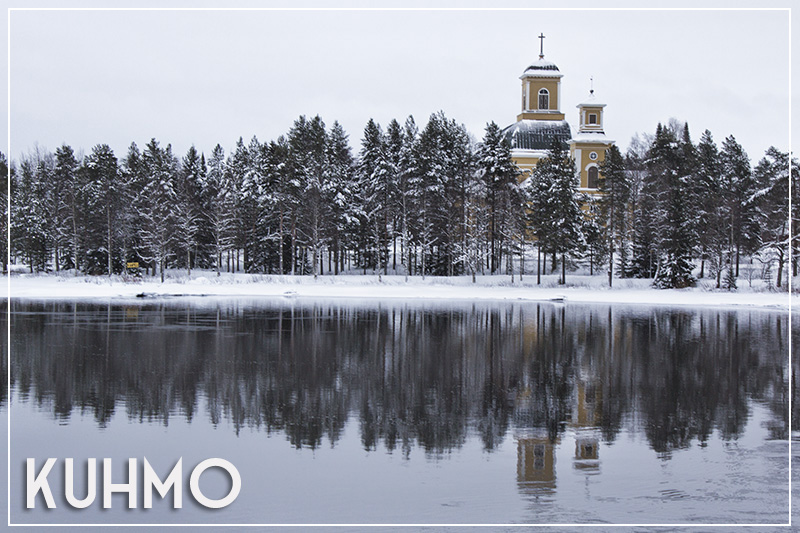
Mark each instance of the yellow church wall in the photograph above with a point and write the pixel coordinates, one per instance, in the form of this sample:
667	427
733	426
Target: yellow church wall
533	115
585	160
534	84
592	111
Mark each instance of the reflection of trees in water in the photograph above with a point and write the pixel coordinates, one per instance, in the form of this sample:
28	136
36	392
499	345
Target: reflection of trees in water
795	332
425	375
4	347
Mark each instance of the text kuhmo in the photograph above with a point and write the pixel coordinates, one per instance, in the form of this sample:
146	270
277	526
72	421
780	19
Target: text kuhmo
37	482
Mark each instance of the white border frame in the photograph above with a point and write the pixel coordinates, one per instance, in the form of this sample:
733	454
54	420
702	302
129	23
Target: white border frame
562	525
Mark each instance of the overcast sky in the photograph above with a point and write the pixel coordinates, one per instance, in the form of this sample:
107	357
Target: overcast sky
208	77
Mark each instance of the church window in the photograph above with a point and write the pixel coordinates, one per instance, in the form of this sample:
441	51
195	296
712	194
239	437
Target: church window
593	156
592	178
592	118
544	99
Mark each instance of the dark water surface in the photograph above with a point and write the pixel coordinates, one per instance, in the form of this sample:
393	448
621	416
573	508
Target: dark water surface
408	412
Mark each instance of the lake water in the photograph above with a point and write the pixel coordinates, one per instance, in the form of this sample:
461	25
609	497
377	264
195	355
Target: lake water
349	412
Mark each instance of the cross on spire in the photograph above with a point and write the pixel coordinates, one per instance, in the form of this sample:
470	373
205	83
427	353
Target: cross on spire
541	46
591	84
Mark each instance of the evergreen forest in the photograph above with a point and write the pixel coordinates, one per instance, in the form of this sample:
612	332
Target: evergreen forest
413	201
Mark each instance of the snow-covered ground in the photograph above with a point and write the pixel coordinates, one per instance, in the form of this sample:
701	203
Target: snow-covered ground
579	288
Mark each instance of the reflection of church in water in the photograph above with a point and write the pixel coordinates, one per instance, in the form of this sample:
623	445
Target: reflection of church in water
537	446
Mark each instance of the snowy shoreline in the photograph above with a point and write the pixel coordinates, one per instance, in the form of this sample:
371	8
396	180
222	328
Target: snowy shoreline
579	289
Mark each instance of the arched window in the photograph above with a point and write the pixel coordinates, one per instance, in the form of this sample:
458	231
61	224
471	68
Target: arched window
544	99
592	182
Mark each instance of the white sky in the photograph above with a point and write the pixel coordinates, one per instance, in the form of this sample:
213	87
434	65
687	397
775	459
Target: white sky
208	77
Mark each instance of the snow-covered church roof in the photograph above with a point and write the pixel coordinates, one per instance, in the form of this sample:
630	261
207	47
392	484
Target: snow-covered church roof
542	69
537	134
591	101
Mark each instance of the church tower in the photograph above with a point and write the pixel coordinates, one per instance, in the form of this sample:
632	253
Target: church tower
540	121
541	90
588	147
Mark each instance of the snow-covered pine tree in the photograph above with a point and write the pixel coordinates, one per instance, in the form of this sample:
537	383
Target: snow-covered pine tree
4	208
157	205
613	205
131	222
395	144
188	214
461	171
236	168
277	203
340	177
794	229
307	140
708	206
251	207
668	170
28	231
596	243
772	197
405	190
556	215
375	186
641	233
104	194
217	205
739	188
503	197
69	216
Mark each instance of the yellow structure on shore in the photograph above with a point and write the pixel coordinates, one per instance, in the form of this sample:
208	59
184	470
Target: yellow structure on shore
541	121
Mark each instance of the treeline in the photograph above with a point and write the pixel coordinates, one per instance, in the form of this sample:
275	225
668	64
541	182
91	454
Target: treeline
429	202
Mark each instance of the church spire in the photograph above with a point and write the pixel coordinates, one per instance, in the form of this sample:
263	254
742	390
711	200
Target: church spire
541	46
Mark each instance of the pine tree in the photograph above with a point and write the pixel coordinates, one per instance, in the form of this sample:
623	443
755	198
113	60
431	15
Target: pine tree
69	219
503	196
739	188
104	192
28	231
772	198
217	205
4	185
340	177
395	148
615	189
668	170
376	188
405	190
188	215
307	140
132	222
557	218
708	206
157	205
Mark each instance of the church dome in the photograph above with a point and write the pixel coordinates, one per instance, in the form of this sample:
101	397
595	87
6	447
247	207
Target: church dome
542	69
537	134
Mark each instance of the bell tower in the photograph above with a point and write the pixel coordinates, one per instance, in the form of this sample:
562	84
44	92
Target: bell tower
589	145
590	114
541	90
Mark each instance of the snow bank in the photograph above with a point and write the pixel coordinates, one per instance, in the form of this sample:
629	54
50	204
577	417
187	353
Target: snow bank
205	283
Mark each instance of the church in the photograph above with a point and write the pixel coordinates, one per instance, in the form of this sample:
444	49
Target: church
541	120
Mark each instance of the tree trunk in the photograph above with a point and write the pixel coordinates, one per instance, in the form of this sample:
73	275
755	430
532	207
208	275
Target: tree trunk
108	238
538	264
611	265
